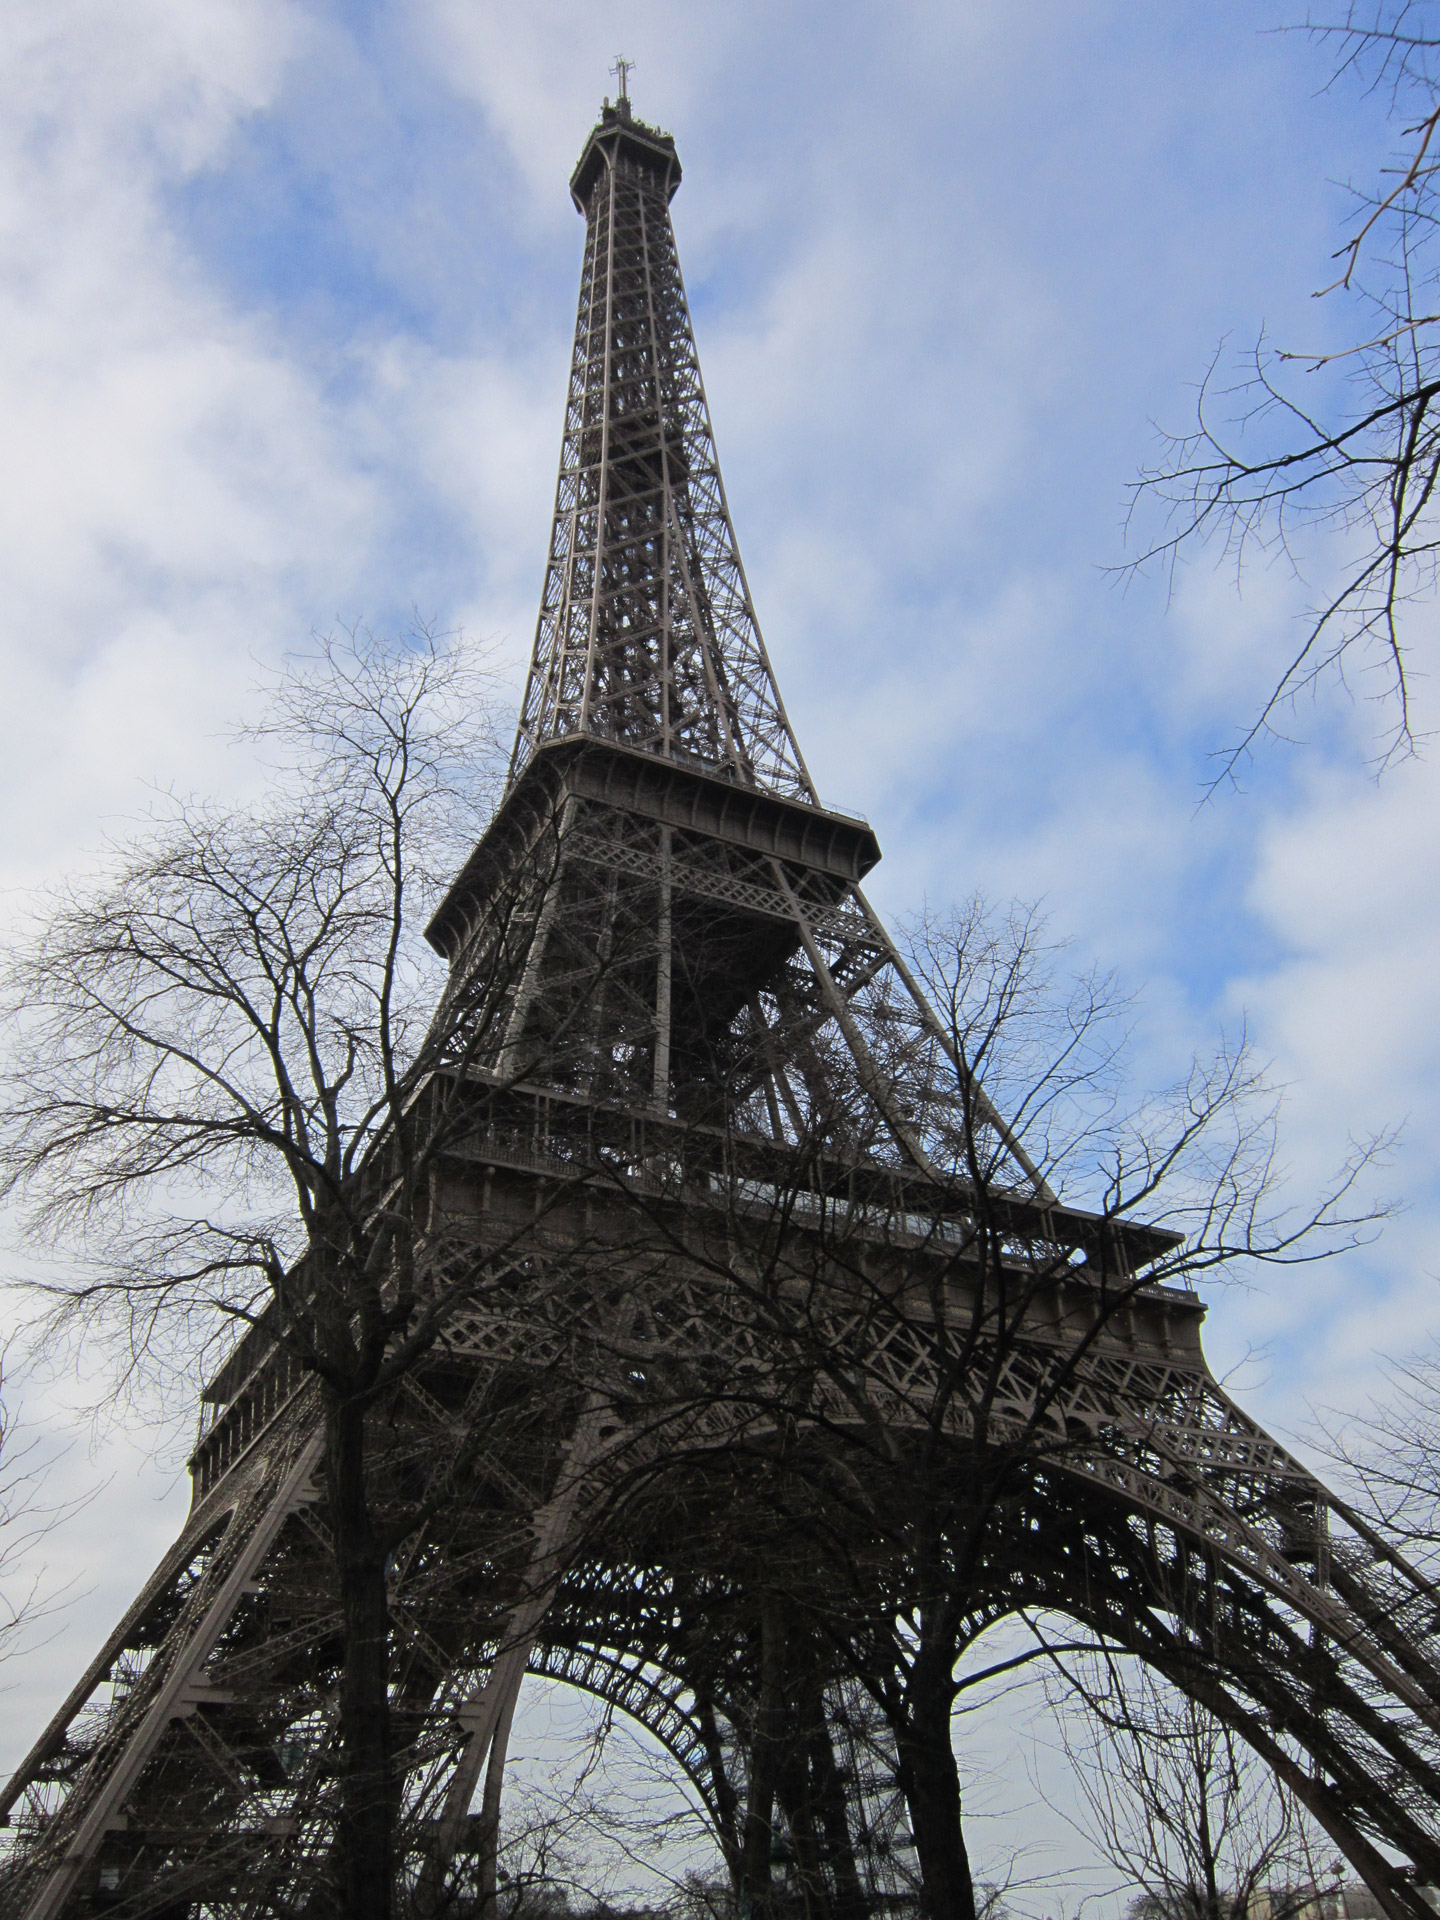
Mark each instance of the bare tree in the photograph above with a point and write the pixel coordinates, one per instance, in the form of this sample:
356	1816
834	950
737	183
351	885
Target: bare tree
26	1517
1391	1456
922	1422
1200	1161
610	1830
227	1093
1178	1805
1346	442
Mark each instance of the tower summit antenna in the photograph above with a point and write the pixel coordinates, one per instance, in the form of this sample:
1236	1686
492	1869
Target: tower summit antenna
622	69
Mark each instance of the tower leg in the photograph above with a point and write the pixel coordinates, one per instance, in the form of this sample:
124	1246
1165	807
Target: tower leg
489	1712
103	1809
813	1799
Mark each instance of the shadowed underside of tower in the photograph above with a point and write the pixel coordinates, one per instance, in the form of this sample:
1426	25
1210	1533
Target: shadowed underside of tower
728	1189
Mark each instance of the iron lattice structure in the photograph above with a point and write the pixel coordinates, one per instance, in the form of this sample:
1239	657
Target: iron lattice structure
647	635
732	1161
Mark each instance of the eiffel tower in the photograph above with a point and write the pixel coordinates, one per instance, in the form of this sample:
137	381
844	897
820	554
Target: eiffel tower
711	1042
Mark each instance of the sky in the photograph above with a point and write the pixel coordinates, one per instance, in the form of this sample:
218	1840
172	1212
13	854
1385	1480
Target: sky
286	297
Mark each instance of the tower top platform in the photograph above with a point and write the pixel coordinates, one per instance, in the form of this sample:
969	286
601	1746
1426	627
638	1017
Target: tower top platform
618	131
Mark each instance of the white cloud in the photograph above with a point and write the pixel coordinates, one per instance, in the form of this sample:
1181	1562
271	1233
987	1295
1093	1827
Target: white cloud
175	496
175	499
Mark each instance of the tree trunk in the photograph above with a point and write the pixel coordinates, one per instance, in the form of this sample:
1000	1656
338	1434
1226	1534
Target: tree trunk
365	1876
930	1781
758	1833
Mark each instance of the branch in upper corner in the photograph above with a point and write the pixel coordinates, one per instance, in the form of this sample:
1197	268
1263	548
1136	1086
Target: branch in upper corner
1341	443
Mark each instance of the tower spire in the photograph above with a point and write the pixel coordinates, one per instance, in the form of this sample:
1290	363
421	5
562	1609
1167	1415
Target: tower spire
647	635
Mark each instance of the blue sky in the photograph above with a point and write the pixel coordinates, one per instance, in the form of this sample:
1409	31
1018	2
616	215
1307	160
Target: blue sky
286	293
